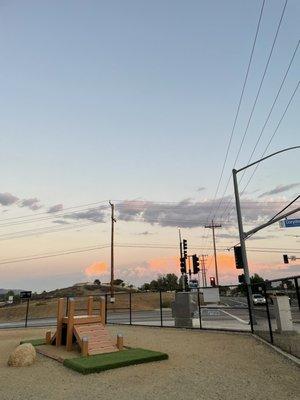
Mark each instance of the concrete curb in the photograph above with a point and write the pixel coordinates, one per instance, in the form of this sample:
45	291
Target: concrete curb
288	356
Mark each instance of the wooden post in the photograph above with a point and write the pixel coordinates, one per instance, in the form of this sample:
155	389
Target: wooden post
90	305
120	341
60	314
70	324
48	337
84	346
102	310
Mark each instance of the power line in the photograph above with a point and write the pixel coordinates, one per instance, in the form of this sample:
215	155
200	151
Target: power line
267	119
134	245
266	148
255	101
240	99
274	133
281	211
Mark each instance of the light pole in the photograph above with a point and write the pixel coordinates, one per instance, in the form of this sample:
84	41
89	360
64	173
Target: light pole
244	235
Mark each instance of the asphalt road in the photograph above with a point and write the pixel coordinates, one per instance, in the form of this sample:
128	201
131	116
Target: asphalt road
233	309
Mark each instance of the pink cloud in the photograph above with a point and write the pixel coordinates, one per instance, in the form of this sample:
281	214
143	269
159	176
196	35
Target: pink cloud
96	269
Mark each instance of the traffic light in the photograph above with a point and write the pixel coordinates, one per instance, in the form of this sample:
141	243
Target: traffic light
195	264
212	281
241	278
184	248
285	259
238	257
186	284
182	265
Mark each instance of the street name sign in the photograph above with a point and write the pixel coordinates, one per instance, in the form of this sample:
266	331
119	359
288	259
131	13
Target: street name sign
290	223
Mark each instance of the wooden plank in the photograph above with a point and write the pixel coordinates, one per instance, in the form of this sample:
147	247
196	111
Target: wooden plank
99	340
50	355
84	319
71	311
102	310
94	352
90	305
48	337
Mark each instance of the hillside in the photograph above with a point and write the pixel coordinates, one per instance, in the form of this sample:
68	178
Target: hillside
80	290
4	291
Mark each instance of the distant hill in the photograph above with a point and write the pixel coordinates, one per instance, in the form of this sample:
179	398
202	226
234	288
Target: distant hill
4	291
81	290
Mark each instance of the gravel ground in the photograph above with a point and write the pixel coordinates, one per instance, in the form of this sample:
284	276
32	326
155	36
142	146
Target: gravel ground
202	365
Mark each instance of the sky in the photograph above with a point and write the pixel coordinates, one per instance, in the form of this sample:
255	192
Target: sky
135	102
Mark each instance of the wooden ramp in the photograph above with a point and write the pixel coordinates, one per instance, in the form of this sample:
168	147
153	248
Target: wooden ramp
99	340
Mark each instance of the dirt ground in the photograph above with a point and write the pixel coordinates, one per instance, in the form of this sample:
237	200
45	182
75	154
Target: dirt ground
202	365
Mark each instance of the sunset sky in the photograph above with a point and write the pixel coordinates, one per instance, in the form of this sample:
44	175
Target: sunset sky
134	101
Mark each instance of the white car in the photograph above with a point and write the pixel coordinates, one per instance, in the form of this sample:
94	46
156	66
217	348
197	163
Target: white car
258	299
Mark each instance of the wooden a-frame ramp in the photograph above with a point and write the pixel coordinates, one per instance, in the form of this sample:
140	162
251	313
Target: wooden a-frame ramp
89	331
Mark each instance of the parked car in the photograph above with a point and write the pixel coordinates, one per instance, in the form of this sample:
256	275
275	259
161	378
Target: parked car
258	299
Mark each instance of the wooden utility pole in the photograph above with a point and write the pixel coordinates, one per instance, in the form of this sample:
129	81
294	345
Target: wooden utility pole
213	226
113	220
203	269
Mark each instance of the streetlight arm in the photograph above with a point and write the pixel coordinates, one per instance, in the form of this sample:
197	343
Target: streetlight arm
264	158
258	228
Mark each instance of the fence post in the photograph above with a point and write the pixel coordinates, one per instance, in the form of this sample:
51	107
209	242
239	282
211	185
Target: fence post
297	291
27	308
130	311
249	307
268	314
160	305
199	309
106	308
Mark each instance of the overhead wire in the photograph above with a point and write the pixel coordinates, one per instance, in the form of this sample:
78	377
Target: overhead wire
255	102
267	146
128	245
267	120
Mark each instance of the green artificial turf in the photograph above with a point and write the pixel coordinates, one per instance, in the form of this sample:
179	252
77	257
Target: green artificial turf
103	362
34	342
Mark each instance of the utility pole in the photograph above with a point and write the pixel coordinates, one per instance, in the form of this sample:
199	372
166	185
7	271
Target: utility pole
113	220
181	257
180	242
203	269
213	226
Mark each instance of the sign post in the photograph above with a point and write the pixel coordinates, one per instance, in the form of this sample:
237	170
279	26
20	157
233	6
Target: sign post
26	294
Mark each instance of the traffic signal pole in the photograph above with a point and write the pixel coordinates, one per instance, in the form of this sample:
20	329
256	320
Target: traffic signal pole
241	229
243	245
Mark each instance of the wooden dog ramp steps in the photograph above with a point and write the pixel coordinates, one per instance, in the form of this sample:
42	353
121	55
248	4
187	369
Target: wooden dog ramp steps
98	337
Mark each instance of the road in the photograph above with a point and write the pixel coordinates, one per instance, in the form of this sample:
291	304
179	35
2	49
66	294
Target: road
232	314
